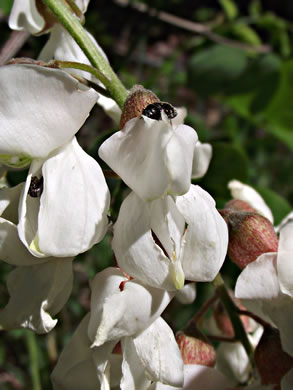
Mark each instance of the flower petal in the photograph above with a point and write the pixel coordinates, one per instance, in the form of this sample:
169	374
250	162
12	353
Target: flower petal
9	199
249	195
258	287
159	353
24	16
135	248
134	376
206	236
71	215
73	212
285	258
12	250
76	368
201	159
119	310
198	377
232	361
187	294
151	157
36	293
28	212
30	127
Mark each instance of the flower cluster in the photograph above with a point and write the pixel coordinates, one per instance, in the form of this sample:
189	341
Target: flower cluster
167	236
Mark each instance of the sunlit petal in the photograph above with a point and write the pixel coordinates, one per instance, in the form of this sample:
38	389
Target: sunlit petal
206	236
151	157
121	309
158	352
31	127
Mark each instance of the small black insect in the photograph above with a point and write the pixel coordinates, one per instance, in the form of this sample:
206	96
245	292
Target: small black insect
169	110
153	110
36	187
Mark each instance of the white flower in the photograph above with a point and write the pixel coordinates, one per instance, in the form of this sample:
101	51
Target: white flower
163	242
198	377
126	311
38	288
27	15
266	287
248	194
41	111
151	156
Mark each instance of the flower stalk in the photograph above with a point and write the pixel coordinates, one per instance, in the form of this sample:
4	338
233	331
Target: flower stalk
72	24
32	347
233	312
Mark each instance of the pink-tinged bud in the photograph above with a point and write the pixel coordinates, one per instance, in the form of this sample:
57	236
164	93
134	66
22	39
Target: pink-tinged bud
271	361
250	235
223	321
137	100
239	205
196	350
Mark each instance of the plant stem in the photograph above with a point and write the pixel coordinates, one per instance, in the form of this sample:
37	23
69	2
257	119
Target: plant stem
84	67
34	360
205	308
72	24
232	310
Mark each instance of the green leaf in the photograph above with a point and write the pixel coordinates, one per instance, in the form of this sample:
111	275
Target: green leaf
214	69
280	207
253	91
228	163
279	114
255	8
230	8
5	6
246	34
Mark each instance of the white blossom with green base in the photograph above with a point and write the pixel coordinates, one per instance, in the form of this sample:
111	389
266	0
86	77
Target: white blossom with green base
41	111
164	242
126	311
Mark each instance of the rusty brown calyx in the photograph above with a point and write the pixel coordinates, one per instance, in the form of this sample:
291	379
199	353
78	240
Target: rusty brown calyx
141	101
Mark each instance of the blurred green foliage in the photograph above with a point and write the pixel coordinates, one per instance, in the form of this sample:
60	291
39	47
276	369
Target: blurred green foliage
236	81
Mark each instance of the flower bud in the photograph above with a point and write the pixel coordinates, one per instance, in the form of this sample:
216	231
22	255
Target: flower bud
271	361
250	235
137	100
239	205
196	349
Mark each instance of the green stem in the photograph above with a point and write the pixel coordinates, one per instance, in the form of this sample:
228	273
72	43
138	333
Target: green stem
33	359
84	67
72	24
232	310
